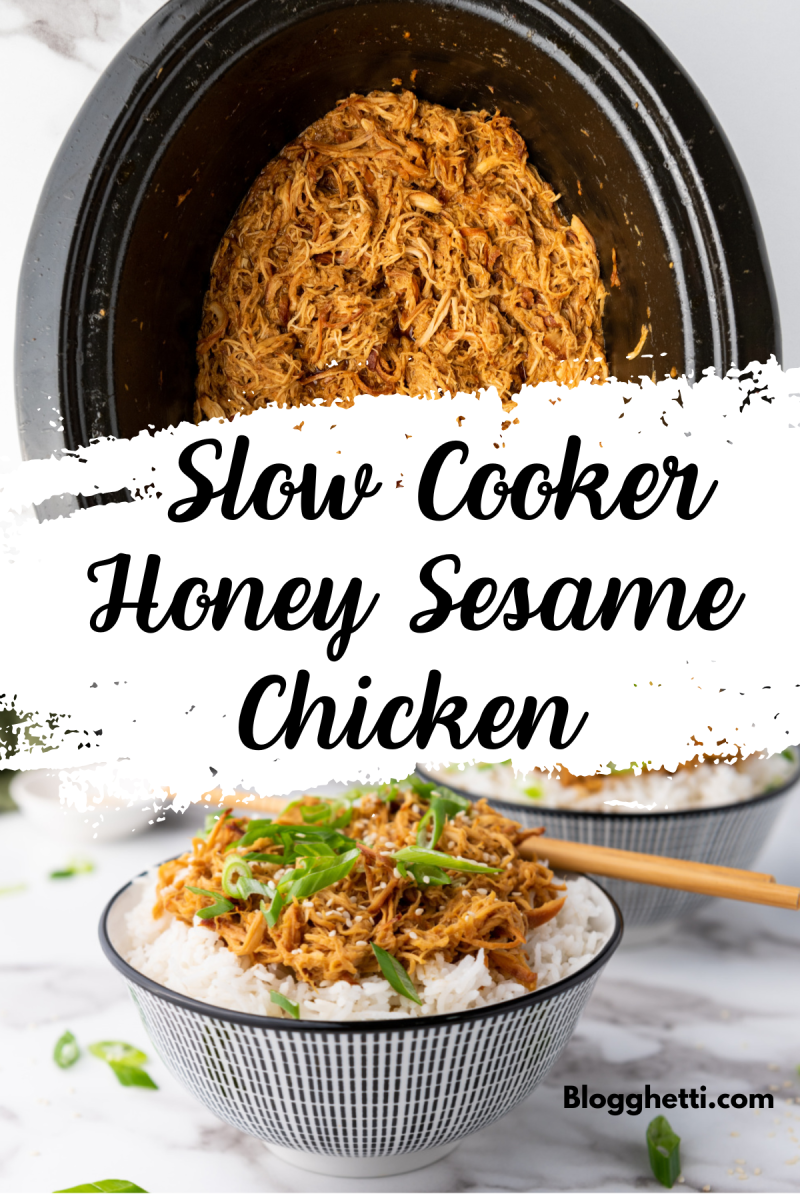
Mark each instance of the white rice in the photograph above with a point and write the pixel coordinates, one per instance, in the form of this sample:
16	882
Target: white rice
193	961
709	785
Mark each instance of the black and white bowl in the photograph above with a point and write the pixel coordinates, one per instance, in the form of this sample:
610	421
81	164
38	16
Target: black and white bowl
359	1098
730	835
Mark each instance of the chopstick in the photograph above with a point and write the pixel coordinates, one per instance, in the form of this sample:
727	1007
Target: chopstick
730	883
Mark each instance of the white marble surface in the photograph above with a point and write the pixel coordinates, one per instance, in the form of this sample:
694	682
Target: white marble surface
717	1004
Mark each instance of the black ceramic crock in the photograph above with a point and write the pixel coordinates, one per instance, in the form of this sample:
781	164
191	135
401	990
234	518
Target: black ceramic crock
207	91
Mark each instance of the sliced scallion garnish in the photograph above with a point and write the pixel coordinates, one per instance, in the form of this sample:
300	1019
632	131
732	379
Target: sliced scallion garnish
124	1061
66	1050
130	1076
301	882
273	910
663	1147
434	858
322	876
286	1004
118	1052
214	910
107	1186
76	866
235	866
442	803
395	974
429	876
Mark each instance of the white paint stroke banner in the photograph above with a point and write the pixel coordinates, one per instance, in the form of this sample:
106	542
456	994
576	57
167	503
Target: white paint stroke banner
537	603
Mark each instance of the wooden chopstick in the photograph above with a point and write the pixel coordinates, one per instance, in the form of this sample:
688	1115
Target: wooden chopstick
730	883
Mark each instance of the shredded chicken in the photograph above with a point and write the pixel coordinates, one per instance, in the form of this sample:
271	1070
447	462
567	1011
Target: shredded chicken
398	247
327	936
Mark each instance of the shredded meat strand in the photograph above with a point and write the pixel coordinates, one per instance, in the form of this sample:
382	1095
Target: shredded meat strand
397	246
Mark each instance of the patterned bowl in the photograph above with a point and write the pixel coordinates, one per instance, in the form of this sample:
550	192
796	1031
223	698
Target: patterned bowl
730	836
367	1099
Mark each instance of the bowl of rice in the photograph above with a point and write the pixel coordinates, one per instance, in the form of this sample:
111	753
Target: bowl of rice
708	810
361	984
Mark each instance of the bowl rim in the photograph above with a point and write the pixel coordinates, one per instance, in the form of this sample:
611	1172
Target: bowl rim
356	1028
736	806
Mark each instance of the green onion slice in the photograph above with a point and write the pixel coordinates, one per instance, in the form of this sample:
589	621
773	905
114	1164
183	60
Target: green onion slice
130	1076
76	866
436	817
286	1004
273	910
317	878
429	876
290	836
104	1185
314	850
395	973
301	882
124	1061
118	1052
213	910
442	803
663	1146
434	858
235	866
66	1050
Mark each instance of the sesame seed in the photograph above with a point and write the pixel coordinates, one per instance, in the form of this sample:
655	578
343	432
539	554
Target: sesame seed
418	912
482	892
465	893
362	943
426	878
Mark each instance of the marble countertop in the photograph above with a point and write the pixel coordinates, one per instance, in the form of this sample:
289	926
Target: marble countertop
716	1004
